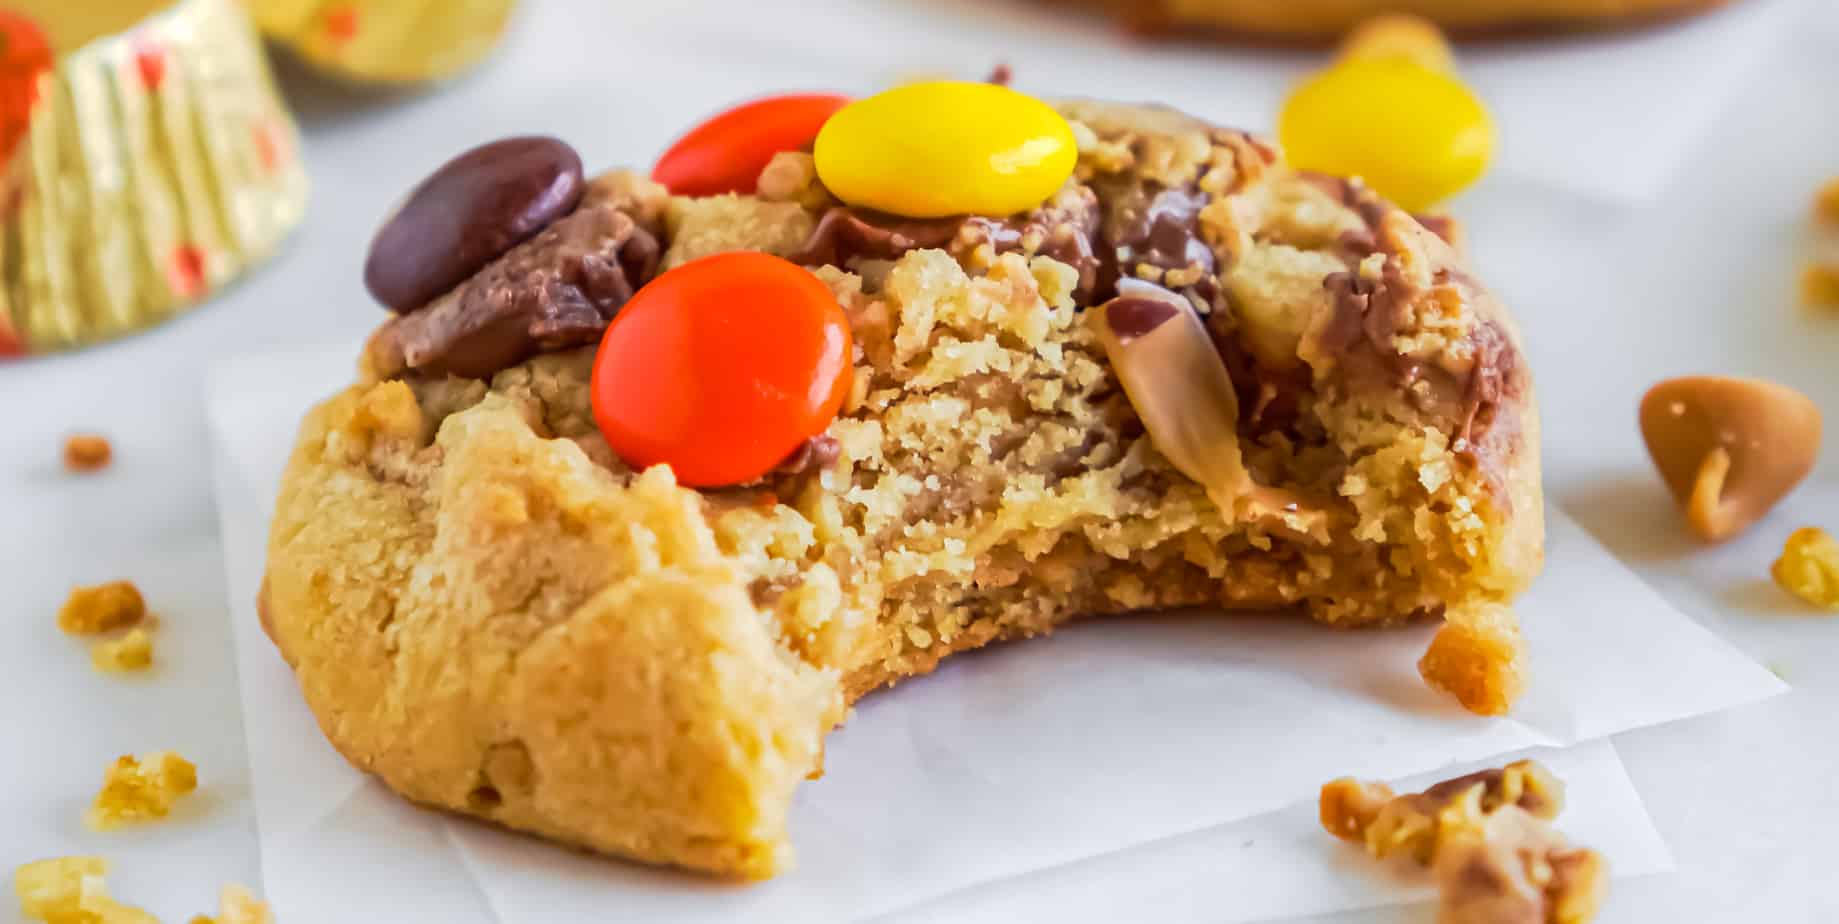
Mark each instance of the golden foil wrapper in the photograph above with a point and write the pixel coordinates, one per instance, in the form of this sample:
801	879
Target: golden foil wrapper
158	164
386	41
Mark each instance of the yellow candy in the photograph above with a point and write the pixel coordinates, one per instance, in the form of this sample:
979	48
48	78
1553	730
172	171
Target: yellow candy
927	150
1414	133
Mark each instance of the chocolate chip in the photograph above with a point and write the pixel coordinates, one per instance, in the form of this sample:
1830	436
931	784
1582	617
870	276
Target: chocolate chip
554	291
1133	316
1158	227
468	213
846	234
815	454
1061	229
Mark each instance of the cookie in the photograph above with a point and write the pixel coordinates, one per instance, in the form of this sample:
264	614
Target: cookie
489	610
1314	20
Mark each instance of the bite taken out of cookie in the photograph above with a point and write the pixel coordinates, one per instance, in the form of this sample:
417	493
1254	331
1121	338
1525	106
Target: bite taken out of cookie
638	490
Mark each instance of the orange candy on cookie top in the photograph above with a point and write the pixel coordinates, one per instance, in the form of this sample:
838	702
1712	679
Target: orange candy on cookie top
722	368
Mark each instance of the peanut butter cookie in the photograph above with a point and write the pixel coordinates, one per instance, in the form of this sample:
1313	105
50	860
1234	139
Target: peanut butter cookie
494	614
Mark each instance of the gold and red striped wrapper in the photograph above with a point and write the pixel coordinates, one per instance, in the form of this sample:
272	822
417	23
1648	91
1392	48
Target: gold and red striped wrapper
158	163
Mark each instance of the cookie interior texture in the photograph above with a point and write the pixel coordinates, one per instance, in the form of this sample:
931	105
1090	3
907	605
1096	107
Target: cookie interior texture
491	612
1323	19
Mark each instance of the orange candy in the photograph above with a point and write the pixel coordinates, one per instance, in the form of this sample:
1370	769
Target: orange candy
24	54
727	153
721	368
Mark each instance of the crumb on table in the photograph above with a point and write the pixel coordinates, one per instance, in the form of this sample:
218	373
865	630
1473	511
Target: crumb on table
1826	202
1809	567
237	905
71	890
102	608
50	887
141	789
1487	838
1820	285
87	452
131	652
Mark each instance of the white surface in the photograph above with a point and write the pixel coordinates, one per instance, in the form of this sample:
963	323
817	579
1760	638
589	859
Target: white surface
1533	87
1275	866
1611	298
1009	761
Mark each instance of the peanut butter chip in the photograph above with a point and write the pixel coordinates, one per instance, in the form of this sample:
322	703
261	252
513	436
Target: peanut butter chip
1729	448
1178	385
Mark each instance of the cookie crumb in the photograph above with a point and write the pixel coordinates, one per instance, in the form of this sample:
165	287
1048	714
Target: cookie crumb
71	890
237	905
1820	285
87	452
1809	567
791	176
1479	658
1487	838
48	888
1826	203
103	608
131	652
141	789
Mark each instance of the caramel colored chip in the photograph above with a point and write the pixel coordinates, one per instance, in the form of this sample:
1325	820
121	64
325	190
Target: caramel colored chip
87	452
1809	567
103	608
1173	375
1729	448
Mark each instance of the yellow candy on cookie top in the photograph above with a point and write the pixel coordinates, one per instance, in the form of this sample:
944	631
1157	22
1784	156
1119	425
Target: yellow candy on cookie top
946	147
1392	111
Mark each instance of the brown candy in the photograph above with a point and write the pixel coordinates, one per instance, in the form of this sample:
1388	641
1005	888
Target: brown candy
557	290
471	211
1729	448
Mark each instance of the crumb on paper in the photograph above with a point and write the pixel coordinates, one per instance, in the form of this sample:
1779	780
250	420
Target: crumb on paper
141	789
87	452
1826	202
131	652
1820	285
53	887
237	905
1487	838
1479	658
1388	824
103	608
72	890
1809	567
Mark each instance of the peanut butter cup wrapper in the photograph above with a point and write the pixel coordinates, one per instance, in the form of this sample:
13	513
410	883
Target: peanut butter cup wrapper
157	165
386	41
